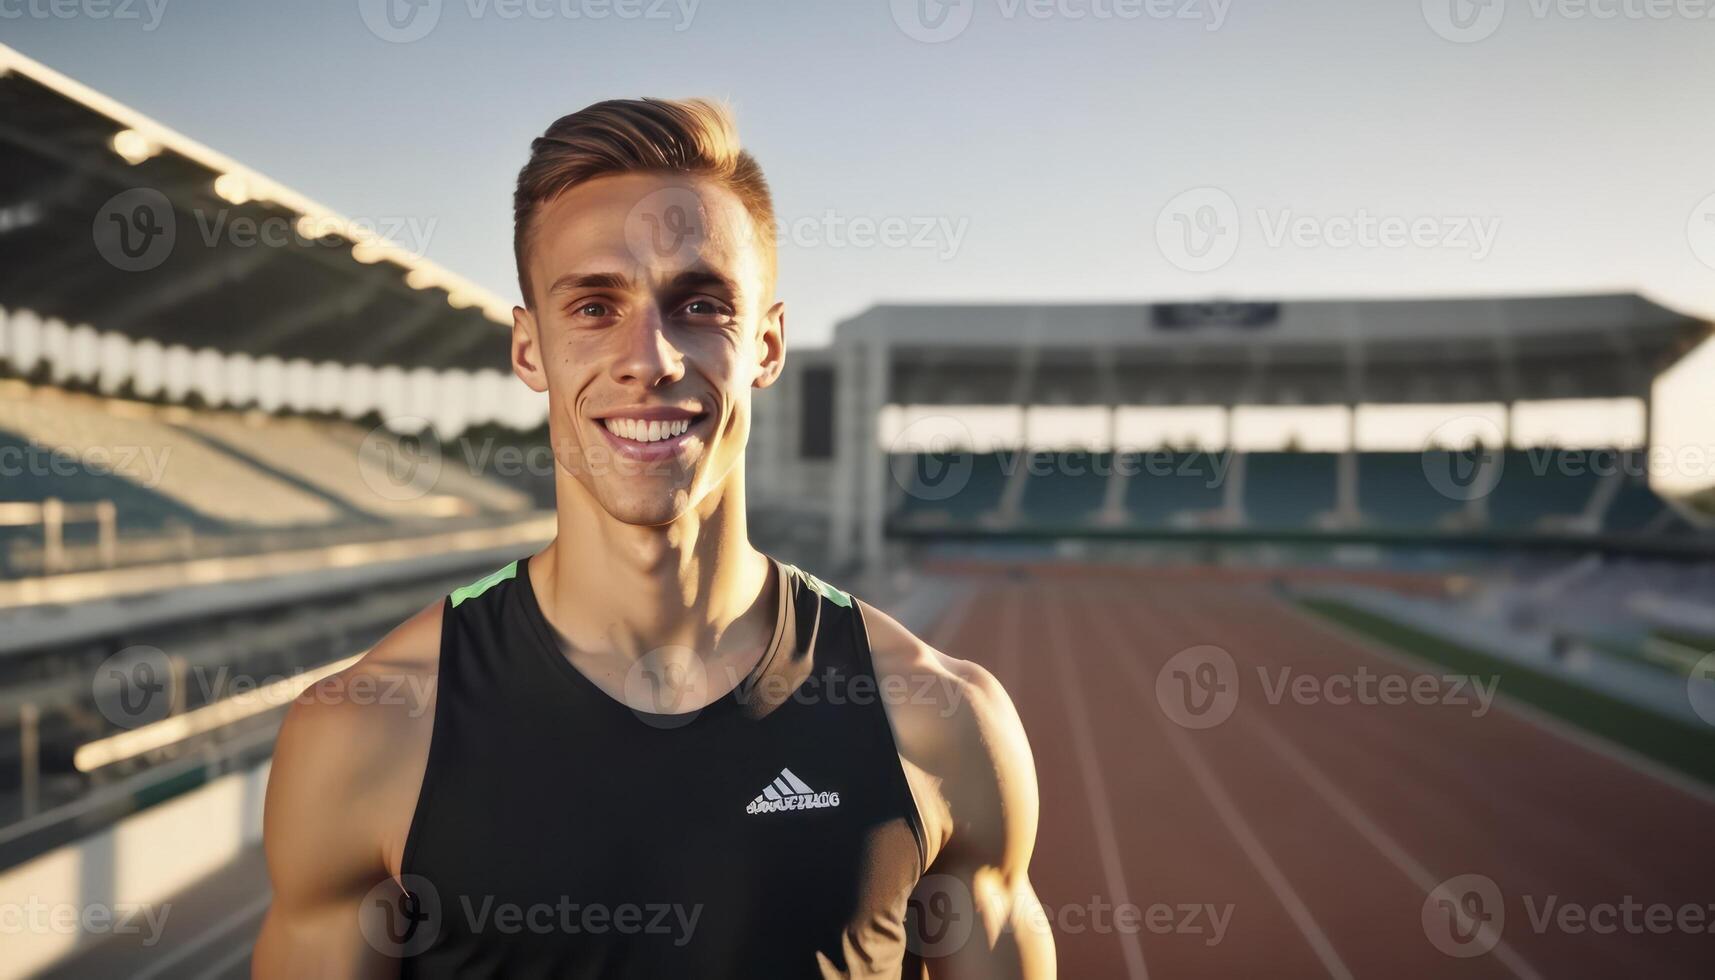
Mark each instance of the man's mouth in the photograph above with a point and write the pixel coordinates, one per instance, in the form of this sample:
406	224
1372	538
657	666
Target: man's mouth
654	433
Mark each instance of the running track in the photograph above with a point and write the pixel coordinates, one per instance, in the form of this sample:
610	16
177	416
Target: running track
1322	827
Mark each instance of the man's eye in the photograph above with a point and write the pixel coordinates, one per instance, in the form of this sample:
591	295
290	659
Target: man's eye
704	307
592	310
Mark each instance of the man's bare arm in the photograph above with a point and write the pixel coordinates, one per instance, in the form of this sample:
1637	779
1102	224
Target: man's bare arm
341	792
970	765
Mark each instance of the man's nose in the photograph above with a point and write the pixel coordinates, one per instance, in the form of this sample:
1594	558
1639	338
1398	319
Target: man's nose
647	356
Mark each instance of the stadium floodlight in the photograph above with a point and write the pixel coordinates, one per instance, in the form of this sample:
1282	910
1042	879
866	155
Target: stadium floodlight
420	278
233	188
134	146
459	299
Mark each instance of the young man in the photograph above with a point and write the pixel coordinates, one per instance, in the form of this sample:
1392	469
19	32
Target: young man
650	750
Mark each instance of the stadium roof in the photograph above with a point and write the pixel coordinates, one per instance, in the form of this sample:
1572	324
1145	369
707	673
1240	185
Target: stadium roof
238	263
1418	350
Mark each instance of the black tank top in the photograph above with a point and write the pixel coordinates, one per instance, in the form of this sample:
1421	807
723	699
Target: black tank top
559	832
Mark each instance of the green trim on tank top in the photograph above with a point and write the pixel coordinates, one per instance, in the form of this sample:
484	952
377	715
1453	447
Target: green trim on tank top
832	594
485	583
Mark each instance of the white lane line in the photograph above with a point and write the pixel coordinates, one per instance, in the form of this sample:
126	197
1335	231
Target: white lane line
1229	814
1065	668
1595	744
1390	848
232	921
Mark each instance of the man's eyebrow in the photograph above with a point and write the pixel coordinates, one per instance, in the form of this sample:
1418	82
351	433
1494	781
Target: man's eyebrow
702	279
590	280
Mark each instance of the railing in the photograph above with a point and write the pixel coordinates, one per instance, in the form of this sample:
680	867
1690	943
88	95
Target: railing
53	514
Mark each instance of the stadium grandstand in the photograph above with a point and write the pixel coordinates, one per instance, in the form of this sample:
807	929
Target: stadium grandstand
1319	422
226	412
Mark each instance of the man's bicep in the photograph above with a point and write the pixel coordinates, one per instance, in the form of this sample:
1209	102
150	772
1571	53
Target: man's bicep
983	873
322	863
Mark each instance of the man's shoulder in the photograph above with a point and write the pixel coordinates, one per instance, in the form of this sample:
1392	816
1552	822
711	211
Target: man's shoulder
353	725
958	733
945	710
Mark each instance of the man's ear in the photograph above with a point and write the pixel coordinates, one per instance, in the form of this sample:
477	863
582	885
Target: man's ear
527	350
771	346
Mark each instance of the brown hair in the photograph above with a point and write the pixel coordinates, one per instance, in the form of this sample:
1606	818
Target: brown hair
694	137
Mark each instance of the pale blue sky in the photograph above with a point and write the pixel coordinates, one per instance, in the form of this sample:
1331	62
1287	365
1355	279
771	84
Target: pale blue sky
1027	157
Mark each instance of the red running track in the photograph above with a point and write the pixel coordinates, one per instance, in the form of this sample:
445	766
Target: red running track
1301	837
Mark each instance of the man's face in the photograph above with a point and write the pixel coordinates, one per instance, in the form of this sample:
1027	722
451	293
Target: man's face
652	322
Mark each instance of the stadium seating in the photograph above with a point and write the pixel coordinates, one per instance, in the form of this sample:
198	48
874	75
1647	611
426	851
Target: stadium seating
1288	490
187	481
1537	492
1066	488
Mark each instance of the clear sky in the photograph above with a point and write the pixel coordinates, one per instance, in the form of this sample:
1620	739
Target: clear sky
1004	149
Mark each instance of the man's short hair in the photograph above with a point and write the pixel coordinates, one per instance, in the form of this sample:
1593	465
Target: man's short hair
693	137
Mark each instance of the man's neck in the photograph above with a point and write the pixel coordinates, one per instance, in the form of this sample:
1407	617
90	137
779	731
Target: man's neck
618	590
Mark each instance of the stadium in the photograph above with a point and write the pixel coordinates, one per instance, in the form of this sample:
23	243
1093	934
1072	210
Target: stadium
1324	616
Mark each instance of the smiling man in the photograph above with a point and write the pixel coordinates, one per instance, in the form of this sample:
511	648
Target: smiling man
652	750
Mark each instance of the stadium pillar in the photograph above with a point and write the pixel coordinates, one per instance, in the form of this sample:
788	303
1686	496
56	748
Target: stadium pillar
842	521
1346	474
873	459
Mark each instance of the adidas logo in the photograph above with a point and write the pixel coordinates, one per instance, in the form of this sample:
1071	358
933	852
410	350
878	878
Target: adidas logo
788	792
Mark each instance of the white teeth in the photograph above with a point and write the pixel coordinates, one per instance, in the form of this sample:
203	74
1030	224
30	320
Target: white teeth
640	430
